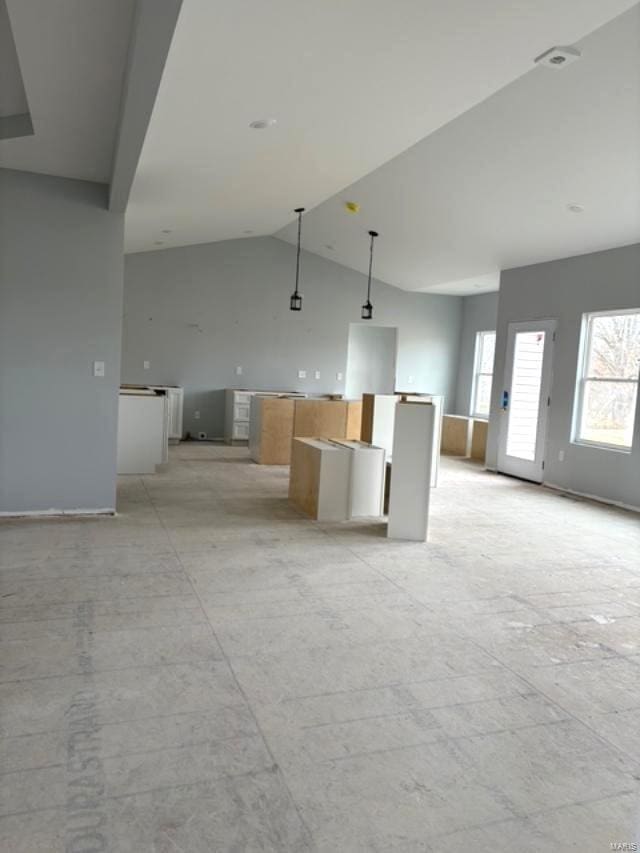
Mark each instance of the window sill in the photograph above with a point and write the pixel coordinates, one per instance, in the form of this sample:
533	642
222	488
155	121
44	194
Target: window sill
626	451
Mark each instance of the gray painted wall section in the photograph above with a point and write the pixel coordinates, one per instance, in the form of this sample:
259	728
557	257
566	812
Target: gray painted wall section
479	314
197	312
565	290
61	273
371	360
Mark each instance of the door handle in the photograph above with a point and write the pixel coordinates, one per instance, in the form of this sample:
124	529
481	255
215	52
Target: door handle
505	401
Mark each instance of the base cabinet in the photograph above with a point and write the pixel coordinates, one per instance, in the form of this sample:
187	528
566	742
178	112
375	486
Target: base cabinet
319	479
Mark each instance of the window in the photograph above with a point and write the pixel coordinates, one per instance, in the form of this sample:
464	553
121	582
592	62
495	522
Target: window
608	380
483	374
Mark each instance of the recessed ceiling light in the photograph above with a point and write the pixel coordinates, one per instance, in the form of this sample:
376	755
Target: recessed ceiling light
248	231
158	242
558	57
263	123
166	230
575	208
329	247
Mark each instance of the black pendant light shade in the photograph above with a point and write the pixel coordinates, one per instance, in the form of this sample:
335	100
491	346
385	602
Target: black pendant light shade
295	303
367	308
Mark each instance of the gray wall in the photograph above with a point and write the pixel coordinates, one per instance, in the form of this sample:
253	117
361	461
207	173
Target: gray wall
371	360
61	273
479	314
565	290
199	311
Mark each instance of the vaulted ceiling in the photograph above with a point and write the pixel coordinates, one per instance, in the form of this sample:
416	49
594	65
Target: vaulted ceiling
432	115
463	154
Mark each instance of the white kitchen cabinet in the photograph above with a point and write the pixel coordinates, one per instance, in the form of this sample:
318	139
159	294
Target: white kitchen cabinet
175	404
237	407
142	431
237	411
366	479
415	434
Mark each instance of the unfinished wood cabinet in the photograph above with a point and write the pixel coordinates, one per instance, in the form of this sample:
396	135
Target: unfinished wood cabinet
275	422
320	419
479	439
319	479
456	435
271	430
354	420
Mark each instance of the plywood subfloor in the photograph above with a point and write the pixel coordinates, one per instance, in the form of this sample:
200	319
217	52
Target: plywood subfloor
246	679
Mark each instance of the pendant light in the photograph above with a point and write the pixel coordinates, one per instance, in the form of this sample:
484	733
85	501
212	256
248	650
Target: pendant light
367	308
295	303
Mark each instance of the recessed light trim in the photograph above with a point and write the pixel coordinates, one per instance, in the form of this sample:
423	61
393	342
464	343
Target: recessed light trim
158	242
575	208
558	57
166	230
263	123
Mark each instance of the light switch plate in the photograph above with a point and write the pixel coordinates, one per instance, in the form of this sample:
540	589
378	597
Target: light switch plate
302	374
239	370
98	368
146	365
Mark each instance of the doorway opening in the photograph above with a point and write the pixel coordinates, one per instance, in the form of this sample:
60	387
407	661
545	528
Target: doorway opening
371	360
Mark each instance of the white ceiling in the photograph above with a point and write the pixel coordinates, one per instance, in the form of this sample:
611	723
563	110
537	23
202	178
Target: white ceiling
72	55
352	85
13	99
490	190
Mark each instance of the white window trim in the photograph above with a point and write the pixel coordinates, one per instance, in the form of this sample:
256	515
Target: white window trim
476	372
582	378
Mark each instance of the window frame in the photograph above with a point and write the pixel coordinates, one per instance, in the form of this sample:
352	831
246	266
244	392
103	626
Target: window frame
477	361
586	334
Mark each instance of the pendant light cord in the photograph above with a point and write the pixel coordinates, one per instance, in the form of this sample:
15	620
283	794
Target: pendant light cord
373	235
299	211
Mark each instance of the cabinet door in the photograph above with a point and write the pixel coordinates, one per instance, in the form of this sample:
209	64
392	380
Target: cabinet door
241	431
175	412
241	411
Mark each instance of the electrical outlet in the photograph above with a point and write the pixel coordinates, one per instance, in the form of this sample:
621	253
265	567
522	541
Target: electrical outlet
317	374
339	376
146	365
239	370
561	455
98	368
410	380
302	374
196	416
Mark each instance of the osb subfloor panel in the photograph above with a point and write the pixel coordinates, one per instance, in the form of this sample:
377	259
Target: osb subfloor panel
212	672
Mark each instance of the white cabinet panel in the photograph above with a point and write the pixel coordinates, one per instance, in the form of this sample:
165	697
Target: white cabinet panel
413	453
241	411
241	431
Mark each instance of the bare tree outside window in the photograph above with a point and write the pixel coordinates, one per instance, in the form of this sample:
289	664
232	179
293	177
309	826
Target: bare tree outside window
609	383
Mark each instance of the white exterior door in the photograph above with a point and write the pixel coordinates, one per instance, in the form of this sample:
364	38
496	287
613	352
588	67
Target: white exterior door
525	399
